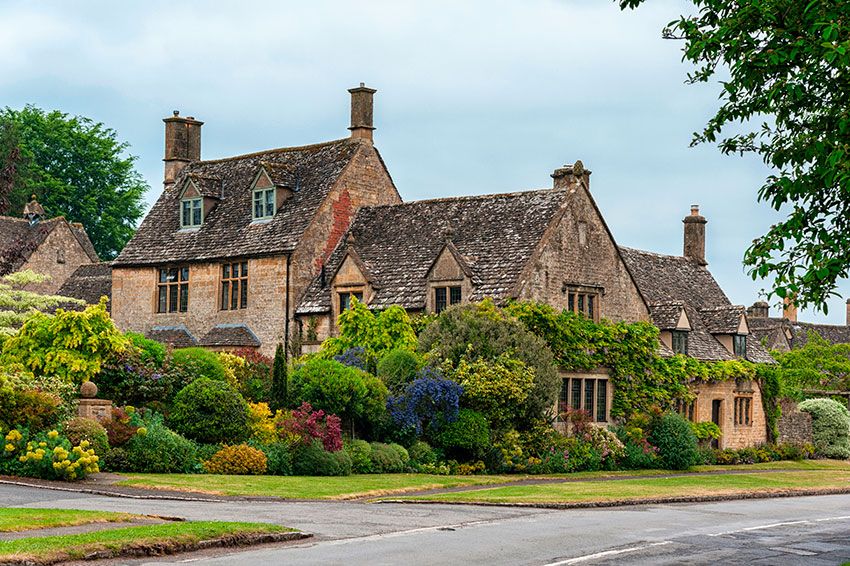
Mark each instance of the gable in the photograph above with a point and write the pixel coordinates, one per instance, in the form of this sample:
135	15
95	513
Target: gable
743	328
684	323
578	251
349	273
190	190
263	181
447	266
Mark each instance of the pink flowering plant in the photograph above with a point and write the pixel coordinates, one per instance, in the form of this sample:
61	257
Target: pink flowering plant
304	425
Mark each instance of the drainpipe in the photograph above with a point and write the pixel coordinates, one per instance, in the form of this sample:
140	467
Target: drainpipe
286	324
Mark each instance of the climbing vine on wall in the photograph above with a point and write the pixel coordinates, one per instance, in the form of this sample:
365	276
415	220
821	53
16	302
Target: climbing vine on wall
642	379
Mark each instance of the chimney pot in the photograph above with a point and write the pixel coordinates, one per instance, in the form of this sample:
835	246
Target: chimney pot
694	247
361	112
568	176
789	310
848	312
760	309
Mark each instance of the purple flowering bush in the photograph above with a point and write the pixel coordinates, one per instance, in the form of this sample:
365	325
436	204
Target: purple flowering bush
428	401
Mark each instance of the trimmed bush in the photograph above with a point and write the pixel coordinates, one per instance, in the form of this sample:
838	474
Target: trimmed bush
32	409
386	459
360	453
198	363
238	460
119	429
397	369
830	427
150	351
210	411
677	446
422	454
278	458
466	438
81	428
314	460
156	449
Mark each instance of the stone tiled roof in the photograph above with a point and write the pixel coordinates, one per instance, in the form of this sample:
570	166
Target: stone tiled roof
176	336
89	283
664	279
207	186
666	315
495	235
832	333
235	335
723	319
228	230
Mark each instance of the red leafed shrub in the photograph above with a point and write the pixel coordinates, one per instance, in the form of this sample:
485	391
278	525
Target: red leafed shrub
305	425
119	429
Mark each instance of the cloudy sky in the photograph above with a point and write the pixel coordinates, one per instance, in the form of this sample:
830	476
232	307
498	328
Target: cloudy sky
473	97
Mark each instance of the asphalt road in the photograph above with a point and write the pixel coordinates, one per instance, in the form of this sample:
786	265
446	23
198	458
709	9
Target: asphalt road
804	530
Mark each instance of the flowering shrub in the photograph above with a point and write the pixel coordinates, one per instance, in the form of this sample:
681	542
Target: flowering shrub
304	426
239	460
426	403
353	357
254	376
80	428
47	456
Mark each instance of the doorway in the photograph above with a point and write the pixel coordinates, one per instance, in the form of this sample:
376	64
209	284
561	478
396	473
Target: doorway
716	411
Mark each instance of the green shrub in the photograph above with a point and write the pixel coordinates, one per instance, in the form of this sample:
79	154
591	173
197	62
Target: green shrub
198	363
675	440
29	408
706	431
210	411
150	351
397	369
467	438
358	398
314	460
156	449
386	459
47	455
279	458
497	389
401	451
422	454
81	428
204	452
830	427
360	453
237	460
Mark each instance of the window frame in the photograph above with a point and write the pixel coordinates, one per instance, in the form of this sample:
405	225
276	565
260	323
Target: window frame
688	409
739	345
585	302
191	209
576	392
236	286
451	295
681	335
172	296
743	410
345	305
261	197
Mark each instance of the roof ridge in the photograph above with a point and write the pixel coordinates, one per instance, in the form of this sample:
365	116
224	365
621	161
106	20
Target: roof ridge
466	198
656	254
276	150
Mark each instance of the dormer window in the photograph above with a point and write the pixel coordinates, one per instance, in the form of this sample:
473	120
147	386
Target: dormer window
739	345
680	342
264	204
191	212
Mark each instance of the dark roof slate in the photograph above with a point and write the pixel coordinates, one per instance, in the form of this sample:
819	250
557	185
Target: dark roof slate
664	279
89	283
666	315
228	230
176	336
235	335
495	236
832	333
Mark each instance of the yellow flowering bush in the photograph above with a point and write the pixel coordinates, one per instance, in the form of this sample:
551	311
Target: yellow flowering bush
231	364
261	423
240	459
47	456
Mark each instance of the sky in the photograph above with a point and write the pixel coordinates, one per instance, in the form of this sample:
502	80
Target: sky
474	97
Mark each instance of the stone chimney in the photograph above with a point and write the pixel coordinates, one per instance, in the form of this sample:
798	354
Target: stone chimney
848	312
33	211
182	144
570	176
760	309
789	309
361	112
695	236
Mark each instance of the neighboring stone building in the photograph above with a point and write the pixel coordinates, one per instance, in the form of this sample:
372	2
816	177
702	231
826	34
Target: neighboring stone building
230	245
697	319
786	332
53	247
89	282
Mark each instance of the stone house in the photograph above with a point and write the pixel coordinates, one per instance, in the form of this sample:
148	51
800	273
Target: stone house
786	332
230	245
49	246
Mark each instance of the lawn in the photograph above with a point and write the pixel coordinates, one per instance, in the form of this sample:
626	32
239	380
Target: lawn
653	487
13	520
303	487
51	549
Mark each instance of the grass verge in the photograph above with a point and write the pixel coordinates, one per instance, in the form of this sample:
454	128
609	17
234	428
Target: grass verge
14	520
652	488
164	538
302	487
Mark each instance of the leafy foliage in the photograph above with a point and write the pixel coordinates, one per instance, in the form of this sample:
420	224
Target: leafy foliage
498	390
313	460
72	345
81	428
254	375
675	440
428	402
280	380
238	460
47	455
17	302
158	450
785	101
210	411
398	368
818	365
306	426
78	169
468	437
198	362
830	427
484	332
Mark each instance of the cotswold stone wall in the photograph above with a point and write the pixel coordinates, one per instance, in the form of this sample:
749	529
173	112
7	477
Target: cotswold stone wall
134	292
734	435
795	427
58	256
579	252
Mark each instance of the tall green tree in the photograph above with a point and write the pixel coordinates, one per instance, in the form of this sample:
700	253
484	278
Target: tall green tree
76	168
280	380
783	67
